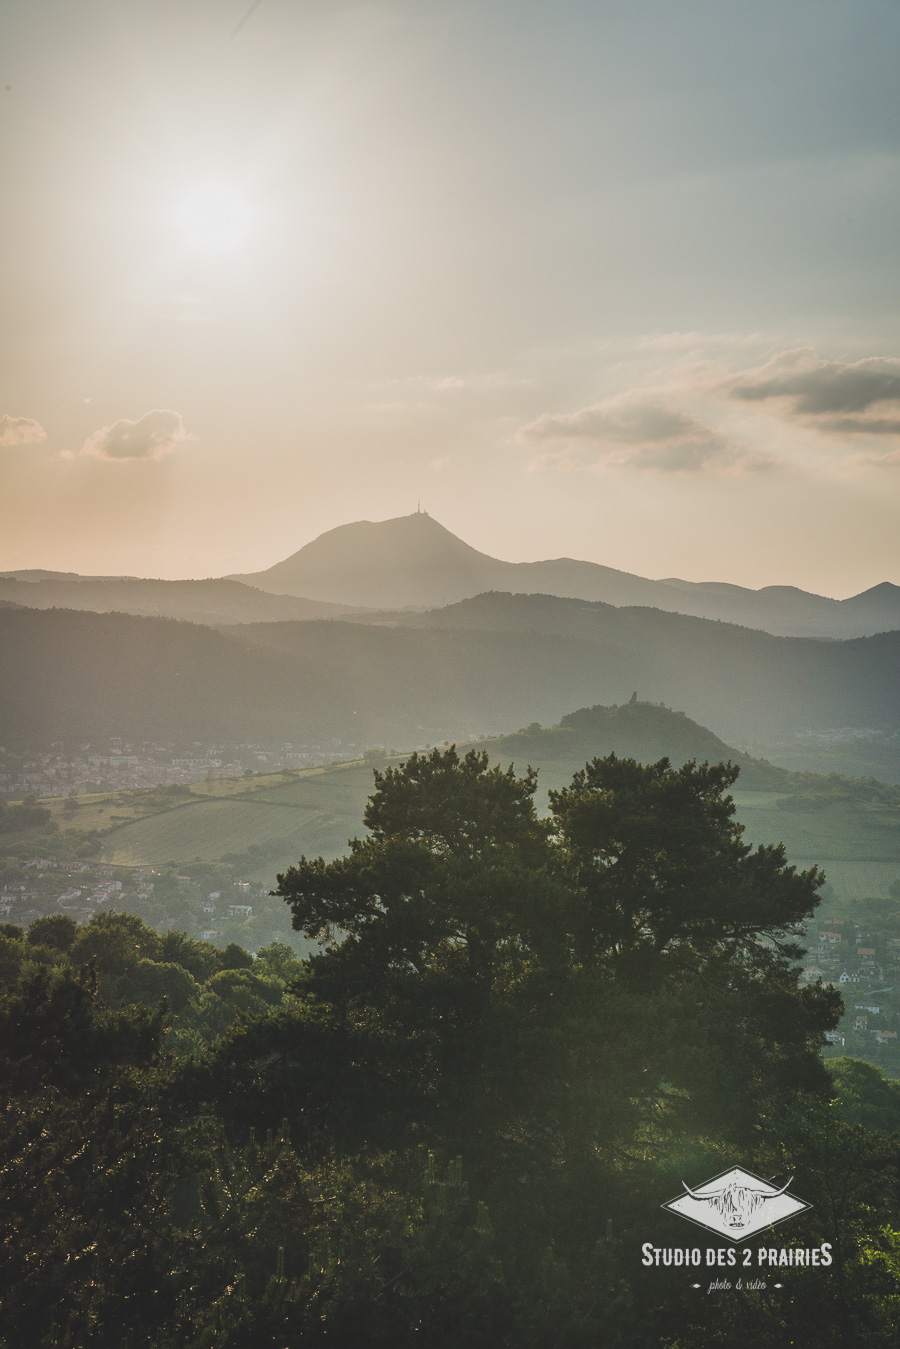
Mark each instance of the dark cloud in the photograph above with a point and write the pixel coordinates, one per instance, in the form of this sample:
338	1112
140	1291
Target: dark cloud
839	396
20	431
874	426
638	431
627	420
152	436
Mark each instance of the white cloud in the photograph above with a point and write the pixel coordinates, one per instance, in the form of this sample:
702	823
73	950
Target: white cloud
153	436
20	431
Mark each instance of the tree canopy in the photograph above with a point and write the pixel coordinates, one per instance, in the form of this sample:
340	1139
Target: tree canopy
455	1124
511	950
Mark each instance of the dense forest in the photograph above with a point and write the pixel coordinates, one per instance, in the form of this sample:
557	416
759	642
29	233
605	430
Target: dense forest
456	1124
485	666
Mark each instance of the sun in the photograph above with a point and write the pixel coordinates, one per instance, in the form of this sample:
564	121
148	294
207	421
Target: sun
215	217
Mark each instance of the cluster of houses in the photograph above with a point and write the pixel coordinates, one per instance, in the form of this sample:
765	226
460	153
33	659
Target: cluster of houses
83	901
81	889
122	766
95	885
843	954
864	965
212	904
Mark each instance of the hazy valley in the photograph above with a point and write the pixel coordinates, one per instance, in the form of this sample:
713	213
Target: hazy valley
470	927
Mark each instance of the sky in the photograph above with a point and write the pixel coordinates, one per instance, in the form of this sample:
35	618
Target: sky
607	279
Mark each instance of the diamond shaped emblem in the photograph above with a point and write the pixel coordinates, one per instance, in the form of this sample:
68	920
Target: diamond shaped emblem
736	1205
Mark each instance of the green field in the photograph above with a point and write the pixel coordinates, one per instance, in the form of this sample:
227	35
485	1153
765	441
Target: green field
313	815
856	833
855	880
280	818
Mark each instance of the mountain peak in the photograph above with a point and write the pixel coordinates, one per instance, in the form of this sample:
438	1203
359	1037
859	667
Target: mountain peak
413	561
410	560
884	591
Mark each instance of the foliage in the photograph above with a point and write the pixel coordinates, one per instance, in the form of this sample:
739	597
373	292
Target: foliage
454	1125
28	815
58	931
865	1096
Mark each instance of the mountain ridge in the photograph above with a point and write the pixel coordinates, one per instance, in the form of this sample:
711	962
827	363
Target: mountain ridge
67	675
381	571
212	601
413	561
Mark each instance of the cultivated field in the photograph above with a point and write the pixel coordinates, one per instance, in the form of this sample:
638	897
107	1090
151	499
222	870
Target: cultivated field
279	817
313	815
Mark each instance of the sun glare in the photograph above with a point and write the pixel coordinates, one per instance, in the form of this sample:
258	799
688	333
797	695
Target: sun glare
215	217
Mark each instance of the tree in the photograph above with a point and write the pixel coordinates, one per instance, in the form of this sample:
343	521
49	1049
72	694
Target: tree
57	931
453	886
865	1096
279	960
151	980
197	957
115	942
662	862
56	1031
584	1009
234	957
559	986
28	815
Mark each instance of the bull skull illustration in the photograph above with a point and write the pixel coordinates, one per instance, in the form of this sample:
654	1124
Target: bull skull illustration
736	1203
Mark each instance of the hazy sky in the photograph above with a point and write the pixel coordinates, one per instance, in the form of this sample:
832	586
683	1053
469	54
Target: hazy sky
612	280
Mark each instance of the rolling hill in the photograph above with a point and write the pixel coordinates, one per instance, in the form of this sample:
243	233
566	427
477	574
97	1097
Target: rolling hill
542	651
212	602
851	828
496	663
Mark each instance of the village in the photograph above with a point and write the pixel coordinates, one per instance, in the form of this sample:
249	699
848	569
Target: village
121	765
233	910
862	960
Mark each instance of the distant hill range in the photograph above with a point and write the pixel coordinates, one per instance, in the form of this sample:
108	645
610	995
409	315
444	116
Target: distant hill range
380	571
498	655
212	602
413	561
485	666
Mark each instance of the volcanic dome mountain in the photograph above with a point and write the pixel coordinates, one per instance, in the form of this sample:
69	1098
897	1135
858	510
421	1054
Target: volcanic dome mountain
413	561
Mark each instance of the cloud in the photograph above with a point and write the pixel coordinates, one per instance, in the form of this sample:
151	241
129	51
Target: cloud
153	436
890	460
695	412
20	431
850	398
637	430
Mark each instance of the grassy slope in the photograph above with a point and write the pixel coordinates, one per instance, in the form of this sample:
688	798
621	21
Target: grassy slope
314	814
847	828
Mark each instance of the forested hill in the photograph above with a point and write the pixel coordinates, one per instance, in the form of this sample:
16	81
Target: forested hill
741	682
503	611
637	730
66	675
